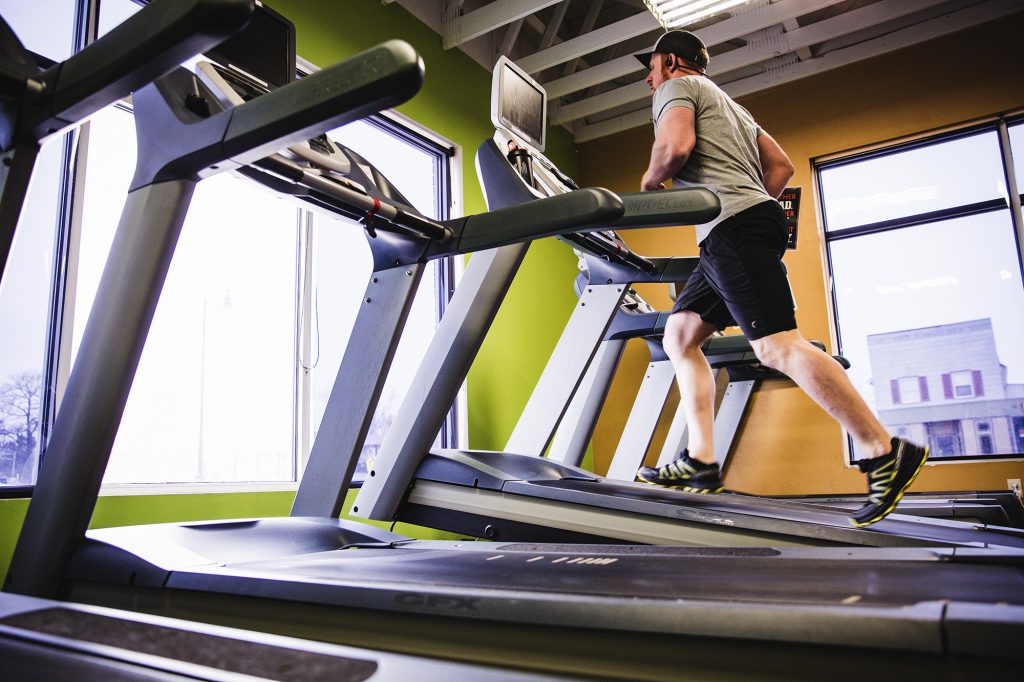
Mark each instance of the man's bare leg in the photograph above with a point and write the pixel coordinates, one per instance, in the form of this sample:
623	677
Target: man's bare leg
685	333
827	383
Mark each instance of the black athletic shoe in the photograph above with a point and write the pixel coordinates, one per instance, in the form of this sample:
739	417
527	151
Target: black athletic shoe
686	474
888	477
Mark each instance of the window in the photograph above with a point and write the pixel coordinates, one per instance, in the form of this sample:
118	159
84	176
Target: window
923	253
909	390
962	384
212	398
237	339
27	298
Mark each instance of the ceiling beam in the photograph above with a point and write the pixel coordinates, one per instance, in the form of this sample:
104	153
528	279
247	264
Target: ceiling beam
764	46
459	28
586	27
636	25
555	23
751	19
511	34
929	30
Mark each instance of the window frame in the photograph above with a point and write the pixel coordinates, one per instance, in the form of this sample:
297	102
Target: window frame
1012	201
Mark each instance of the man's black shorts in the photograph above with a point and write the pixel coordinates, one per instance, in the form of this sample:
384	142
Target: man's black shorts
741	279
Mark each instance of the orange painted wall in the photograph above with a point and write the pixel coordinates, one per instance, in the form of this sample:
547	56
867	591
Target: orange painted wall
787	445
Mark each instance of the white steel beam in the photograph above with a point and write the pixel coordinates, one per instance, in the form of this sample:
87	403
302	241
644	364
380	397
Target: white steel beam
586	27
952	22
461	28
551	30
766	45
636	25
929	30
511	34
751	19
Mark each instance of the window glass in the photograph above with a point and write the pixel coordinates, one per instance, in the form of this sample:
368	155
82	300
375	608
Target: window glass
910	390
920	180
113	12
940	301
213	396
343	270
1017	146
46	27
24	316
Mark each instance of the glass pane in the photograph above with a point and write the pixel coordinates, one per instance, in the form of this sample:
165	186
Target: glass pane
1017	149
932	178
24	319
409	168
113	12
46	27
213	397
940	303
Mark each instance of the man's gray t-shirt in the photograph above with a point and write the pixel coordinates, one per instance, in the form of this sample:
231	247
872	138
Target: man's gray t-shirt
725	157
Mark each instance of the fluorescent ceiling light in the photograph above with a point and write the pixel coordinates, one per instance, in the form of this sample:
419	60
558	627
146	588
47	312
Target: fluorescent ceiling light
681	13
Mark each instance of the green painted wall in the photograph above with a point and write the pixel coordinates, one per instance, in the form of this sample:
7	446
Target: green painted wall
454	102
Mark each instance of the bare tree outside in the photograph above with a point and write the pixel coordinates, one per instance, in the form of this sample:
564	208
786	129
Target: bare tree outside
20	399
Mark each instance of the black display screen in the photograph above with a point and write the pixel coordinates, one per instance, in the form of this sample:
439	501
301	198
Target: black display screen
265	49
522	107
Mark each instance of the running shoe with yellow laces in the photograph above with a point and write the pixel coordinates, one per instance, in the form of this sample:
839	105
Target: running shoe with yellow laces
686	474
888	478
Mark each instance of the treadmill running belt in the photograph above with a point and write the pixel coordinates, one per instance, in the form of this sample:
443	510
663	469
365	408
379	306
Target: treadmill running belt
636	575
612	494
222	653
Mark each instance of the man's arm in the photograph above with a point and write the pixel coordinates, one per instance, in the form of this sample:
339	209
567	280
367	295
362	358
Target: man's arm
672	147
776	167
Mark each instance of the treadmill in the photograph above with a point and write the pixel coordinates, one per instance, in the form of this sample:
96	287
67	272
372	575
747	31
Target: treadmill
739	373
55	641
576	610
518	494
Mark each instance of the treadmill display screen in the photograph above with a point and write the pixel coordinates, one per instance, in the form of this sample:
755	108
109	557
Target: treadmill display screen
521	104
264	50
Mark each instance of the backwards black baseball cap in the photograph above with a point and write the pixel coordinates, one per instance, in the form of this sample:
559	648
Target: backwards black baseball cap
682	44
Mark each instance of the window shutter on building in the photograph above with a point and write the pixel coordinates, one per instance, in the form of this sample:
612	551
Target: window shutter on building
947	386
979	387
894	384
922	382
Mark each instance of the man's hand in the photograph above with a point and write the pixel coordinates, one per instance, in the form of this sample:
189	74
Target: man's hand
648	184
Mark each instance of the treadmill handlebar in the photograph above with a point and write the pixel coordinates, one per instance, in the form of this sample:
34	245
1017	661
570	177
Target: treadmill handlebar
146	46
684	206
551	216
183	139
383	76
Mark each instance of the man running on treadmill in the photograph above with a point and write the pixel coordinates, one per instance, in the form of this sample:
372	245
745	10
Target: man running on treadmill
704	139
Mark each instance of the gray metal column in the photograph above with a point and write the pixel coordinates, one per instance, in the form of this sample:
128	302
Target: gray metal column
565	369
730	414
577	425
356	391
643	420
436	385
87	421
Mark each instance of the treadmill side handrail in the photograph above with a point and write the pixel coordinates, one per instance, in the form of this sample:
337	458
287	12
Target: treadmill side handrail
569	212
683	206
